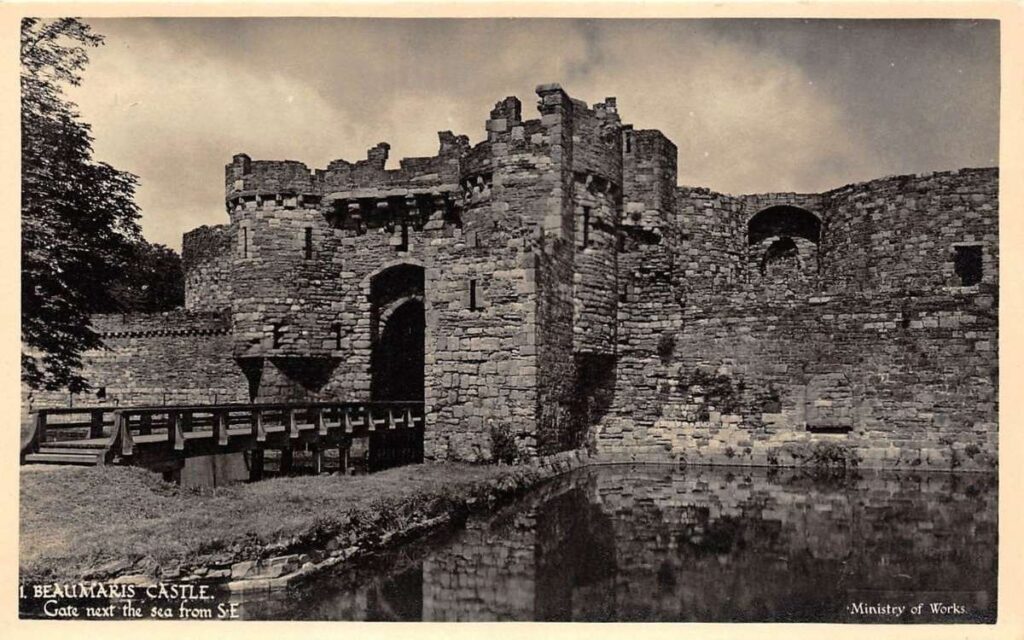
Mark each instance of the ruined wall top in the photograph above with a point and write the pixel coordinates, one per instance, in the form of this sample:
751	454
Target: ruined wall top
247	177
598	152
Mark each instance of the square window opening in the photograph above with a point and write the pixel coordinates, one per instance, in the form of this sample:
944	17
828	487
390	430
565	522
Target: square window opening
968	264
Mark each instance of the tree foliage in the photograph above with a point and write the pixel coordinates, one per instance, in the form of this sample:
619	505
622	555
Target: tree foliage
153	281
79	218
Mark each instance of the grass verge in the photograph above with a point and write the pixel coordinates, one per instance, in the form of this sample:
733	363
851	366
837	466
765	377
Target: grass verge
79	523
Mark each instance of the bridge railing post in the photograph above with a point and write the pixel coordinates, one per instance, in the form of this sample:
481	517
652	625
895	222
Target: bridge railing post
174	430
318	460
124	433
96	423
319	422
259	430
343	460
220	427
256	464
41	419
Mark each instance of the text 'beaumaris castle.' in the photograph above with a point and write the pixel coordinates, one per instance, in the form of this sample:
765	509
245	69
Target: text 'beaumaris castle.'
554	286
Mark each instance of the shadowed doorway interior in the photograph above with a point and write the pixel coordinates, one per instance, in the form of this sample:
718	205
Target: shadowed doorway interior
397	358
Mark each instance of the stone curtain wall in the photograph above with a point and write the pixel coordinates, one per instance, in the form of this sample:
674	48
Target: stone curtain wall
915	384
882	342
153	359
713	239
897	234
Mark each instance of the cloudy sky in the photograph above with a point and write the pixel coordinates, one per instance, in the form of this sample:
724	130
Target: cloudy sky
753	105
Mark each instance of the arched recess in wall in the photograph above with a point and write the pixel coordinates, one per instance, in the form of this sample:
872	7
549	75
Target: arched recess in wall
397	325
783	242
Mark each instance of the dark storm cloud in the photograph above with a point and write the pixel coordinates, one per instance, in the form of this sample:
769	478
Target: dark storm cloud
754	105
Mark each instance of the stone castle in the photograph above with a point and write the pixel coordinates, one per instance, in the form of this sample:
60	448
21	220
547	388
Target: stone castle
552	287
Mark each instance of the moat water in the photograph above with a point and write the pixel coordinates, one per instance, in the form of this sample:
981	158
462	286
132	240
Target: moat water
711	544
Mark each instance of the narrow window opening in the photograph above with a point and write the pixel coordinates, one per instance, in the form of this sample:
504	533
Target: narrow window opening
967	262
472	296
337	336
586	226
404	245
245	242
278	333
309	243
829	428
101	393
629	143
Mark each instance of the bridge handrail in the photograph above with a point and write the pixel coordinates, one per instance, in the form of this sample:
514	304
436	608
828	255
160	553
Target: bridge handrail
120	435
41	425
123	440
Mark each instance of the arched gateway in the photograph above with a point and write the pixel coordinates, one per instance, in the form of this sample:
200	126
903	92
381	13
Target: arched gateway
397	324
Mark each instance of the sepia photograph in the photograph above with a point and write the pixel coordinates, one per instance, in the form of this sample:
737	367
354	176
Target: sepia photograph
509	319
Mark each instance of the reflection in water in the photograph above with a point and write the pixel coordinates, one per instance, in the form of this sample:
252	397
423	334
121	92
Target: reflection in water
700	544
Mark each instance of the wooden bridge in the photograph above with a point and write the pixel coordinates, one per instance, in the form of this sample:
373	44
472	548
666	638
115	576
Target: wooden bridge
161	437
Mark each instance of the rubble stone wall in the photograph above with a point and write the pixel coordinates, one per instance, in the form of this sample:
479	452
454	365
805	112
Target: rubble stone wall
207	254
883	355
161	358
898	234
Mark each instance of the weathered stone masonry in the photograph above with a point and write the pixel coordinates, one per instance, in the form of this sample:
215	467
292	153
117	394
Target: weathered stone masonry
568	292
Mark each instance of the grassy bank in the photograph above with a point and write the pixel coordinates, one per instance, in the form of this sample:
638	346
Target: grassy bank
80	523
